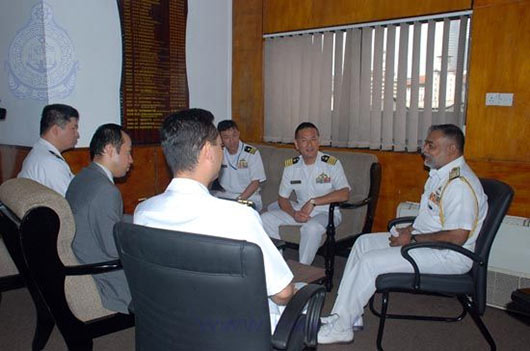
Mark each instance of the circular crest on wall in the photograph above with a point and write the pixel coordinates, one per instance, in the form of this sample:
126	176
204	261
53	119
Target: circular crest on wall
41	60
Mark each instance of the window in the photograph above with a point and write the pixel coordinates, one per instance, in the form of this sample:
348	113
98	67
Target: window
377	86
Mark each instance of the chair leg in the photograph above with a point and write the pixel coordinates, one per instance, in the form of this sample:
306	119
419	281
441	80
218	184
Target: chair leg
45	324
416	317
79	344
478	321
382	319
329	257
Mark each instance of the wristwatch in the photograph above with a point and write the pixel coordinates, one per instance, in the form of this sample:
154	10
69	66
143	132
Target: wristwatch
313	202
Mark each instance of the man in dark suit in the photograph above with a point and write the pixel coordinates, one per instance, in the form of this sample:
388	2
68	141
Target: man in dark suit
97	205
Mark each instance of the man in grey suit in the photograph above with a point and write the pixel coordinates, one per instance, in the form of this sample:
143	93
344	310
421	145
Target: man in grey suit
97	205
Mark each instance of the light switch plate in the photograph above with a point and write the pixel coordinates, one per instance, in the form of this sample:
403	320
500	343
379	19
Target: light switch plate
499	99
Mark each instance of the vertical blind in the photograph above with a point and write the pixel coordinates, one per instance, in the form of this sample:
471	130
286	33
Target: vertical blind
378	86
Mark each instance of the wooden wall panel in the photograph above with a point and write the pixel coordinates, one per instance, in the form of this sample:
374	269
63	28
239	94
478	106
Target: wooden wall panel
516	174
247	61
288	15
500	62
148	176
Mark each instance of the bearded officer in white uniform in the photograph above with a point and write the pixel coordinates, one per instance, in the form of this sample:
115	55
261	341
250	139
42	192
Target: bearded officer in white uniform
193	150
58	133
452	209
318	180
242	169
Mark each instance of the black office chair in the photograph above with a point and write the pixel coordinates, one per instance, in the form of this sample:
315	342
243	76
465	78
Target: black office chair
198	292
469	288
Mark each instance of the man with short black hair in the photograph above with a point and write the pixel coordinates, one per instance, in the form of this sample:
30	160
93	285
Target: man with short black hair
452	209
317	180
242	169
58	133
193	151
97	205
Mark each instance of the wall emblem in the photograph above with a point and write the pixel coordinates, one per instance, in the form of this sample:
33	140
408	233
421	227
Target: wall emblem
41	61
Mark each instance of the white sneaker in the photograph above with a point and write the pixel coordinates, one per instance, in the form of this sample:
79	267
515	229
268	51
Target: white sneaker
330	333
357	325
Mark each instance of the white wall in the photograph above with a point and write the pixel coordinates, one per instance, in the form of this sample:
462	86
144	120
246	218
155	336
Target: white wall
81	64
209	56
93	28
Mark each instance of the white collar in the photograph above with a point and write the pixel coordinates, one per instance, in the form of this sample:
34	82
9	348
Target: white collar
50	147
443	171
186	185
108	173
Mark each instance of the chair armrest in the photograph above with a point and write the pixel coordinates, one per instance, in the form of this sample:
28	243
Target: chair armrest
311	295
399	220
441	245
351	205
93	268
280	244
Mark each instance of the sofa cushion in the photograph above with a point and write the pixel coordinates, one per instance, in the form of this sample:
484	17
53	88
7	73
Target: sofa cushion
356	167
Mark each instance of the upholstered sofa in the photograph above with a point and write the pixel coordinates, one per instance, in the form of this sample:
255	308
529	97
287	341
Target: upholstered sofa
364	175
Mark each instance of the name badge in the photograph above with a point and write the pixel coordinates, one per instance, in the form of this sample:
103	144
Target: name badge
296	182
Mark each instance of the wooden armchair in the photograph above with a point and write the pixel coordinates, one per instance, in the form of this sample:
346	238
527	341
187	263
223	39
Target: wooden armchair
45	228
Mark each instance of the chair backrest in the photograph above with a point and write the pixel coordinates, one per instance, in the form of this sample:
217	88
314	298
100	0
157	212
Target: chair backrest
194	292
499	198
22	196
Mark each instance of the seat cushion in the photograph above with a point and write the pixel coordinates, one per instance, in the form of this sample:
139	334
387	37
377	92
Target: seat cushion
440	283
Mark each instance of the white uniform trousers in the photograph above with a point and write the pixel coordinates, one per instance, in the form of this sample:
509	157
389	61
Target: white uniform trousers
371	256
311	232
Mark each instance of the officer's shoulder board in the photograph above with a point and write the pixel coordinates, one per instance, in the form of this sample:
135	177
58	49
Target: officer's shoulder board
455	173
329	159
292	161
250	149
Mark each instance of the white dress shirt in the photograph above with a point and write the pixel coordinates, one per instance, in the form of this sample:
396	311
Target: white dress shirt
187	206
44	164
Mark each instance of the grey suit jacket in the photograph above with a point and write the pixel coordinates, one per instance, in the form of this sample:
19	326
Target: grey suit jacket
97	205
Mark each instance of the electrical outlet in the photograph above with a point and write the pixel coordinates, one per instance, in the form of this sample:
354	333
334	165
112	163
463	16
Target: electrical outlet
499	99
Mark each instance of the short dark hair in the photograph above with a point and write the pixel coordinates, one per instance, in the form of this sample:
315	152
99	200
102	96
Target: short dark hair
56	114
452	132
109	133
183	135
305	125
226	124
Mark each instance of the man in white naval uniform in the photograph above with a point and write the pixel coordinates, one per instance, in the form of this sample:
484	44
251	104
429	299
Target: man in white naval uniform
58	132
318	180
242	168
452	209
193	150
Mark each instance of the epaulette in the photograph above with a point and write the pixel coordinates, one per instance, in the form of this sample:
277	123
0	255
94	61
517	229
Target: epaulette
329	159
250	149
54	154
455	173
292	161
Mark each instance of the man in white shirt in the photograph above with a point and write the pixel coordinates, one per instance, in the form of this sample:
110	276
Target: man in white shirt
452	209
242	169
317	180
97	205
193	151
58	133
